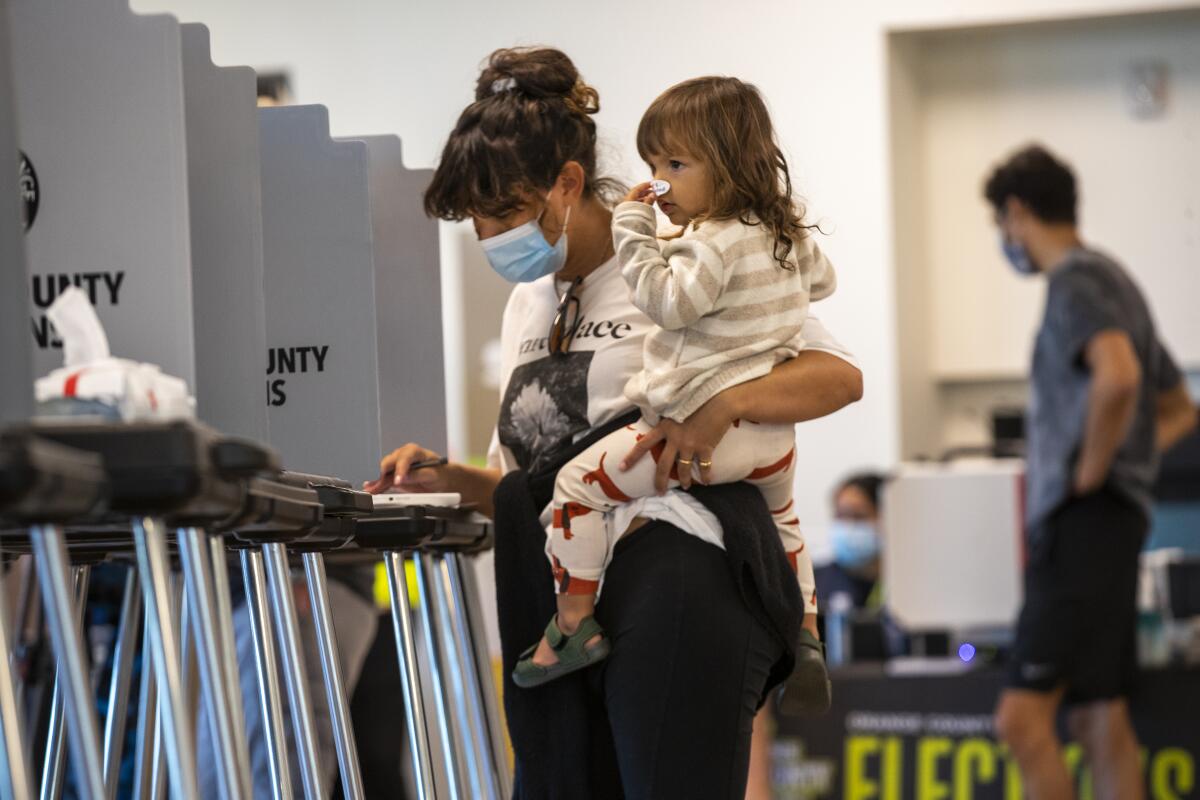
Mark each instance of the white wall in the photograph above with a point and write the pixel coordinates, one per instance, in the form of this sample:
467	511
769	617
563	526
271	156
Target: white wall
964	98
410	67
986	93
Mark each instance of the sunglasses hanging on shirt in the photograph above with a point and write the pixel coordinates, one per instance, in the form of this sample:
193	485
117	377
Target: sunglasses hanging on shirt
566	320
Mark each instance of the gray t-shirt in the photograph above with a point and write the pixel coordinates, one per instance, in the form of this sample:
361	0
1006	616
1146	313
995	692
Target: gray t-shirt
1088	294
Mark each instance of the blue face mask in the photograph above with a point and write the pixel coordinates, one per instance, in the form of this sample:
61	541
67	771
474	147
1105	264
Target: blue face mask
1018	256
522	254
855	542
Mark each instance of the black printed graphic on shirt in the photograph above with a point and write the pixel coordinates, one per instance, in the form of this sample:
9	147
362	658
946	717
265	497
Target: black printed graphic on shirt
545	406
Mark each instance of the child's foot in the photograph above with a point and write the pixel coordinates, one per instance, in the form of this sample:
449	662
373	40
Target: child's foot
807	691
559	653
544	656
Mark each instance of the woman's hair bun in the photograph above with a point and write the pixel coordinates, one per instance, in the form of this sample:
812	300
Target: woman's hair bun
540	73
531	116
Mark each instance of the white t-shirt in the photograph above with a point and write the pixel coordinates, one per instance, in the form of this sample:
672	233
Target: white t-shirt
550	401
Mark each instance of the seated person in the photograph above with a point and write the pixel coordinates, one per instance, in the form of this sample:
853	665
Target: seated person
857	544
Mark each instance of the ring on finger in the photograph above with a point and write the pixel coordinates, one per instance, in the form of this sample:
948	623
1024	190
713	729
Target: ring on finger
687	462
705	464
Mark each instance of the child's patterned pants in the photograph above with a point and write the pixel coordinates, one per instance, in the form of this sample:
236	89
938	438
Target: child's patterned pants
581	540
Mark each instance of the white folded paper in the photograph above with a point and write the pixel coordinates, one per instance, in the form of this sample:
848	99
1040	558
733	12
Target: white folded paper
135	390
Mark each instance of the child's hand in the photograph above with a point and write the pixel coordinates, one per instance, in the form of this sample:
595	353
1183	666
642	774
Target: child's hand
642	193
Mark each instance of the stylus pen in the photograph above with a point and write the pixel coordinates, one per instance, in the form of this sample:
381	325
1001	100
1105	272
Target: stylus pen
433	462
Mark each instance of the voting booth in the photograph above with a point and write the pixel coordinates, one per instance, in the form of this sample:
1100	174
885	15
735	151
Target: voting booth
292	281
100	118
107	102
176	229
16	392
225	225
353	303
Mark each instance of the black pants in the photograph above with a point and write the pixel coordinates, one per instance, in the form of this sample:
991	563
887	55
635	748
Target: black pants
689	663
1078	625
670	713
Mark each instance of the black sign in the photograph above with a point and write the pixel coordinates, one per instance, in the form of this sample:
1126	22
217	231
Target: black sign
291	361
101	288
893	738
27	183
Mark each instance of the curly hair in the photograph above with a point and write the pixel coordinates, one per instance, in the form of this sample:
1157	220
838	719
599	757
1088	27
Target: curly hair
724	122
532	114
1045	184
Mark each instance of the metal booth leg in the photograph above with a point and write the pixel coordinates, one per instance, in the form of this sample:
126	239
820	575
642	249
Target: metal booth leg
335	686
54	764
467	730
232	766
122	676
472	605
62	616
266	655
146	723
54	761
15	762
157	786
225	632
153	569
288	628
414	711
477	677
426	591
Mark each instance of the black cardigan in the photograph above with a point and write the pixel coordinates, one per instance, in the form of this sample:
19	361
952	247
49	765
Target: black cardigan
551	730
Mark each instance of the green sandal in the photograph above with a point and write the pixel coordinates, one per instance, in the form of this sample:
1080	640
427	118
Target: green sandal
807	691
572	651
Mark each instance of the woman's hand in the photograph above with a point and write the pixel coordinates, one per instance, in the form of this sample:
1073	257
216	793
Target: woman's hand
395	474
642	193
692	440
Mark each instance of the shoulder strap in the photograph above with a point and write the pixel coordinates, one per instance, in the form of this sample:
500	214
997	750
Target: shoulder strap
541	482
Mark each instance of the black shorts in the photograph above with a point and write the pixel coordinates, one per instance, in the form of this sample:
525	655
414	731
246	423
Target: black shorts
1078	625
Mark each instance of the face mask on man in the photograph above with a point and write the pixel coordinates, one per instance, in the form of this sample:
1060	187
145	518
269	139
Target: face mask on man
1018	256
856	543
522	254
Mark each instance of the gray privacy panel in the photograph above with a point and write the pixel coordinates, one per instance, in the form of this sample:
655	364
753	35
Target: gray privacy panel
100	116
408	301
322	367
16	386
225	205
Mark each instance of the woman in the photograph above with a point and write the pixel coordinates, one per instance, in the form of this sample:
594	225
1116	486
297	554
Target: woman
670	712
857	543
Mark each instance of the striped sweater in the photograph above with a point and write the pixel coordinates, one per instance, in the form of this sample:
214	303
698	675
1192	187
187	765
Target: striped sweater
726	311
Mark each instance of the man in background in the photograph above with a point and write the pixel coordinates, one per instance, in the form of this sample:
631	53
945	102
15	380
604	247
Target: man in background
1107	398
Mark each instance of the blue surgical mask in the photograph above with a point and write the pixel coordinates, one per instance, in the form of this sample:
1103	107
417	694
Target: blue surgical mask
522	254
856	543
1018	256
